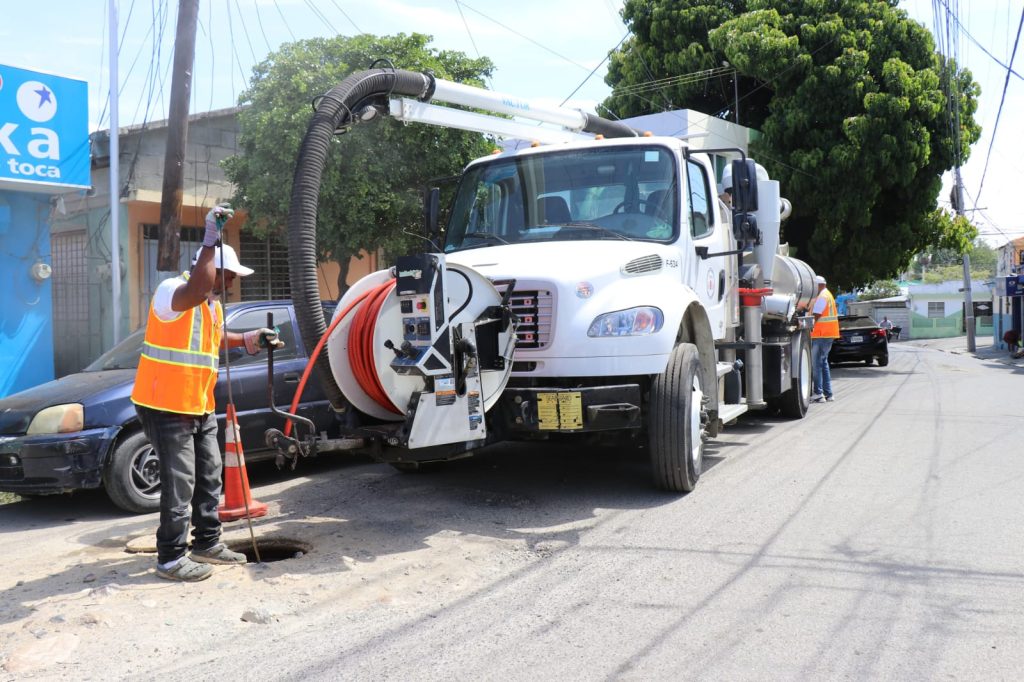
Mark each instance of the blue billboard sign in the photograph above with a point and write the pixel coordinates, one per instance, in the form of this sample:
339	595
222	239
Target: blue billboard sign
44	131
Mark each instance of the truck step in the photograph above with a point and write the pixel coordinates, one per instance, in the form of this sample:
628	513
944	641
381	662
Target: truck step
729	413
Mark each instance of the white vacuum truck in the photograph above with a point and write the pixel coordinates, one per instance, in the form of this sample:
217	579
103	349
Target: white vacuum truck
591	283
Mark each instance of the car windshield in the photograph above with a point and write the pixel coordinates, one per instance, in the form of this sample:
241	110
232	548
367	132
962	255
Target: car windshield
124	355
856	322
615	193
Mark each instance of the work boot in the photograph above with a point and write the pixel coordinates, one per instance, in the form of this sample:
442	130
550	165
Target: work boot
218	554
186	571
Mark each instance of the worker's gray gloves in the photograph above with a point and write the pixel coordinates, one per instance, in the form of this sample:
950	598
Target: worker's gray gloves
215	220
255	339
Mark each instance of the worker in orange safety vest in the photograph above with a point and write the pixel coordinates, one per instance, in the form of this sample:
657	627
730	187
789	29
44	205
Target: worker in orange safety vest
826	330
173	396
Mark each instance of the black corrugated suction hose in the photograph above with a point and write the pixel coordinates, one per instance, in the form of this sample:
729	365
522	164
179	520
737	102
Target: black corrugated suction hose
334	110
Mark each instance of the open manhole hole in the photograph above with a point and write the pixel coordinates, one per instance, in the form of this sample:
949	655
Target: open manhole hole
271	549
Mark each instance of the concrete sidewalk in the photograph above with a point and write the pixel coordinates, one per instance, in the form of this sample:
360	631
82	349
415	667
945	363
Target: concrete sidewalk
984	349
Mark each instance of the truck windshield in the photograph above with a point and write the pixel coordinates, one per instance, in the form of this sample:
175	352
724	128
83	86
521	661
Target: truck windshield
624	193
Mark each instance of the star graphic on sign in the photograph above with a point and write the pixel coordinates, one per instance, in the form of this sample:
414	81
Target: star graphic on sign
44	96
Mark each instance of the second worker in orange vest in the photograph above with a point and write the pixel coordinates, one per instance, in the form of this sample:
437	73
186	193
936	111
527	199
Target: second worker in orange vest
826	330
173	396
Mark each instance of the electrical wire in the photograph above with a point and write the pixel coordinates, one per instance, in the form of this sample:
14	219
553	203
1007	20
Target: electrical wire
1002	100
524	37
470	33
359	31
245	30
259	20
284	21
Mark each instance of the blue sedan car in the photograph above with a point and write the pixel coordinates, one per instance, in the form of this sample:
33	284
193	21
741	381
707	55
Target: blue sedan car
81	431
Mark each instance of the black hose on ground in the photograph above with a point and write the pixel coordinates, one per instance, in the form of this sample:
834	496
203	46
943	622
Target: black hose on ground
334	111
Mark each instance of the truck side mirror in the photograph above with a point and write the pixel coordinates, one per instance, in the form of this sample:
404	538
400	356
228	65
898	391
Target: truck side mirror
744	186
431	210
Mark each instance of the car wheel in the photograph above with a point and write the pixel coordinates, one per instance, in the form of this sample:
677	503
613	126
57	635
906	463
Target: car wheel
132	476
675	422
883	360
794	402
867	361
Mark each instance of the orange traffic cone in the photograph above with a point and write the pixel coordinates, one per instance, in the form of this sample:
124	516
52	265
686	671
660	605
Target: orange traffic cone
236	480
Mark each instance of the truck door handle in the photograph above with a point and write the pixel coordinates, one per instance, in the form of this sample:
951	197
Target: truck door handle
291	377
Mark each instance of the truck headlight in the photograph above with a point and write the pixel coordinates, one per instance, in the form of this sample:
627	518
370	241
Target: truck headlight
640	321
58	419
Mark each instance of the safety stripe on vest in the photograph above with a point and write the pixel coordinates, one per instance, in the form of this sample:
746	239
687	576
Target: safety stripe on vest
197	331
179	357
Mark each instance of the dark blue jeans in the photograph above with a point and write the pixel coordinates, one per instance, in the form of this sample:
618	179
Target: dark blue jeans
821	374
191	471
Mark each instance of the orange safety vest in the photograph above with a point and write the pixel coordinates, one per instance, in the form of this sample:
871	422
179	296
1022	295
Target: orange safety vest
827	326
178	366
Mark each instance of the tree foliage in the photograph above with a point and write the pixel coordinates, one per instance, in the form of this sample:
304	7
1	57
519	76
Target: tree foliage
371	190
850	96
881	288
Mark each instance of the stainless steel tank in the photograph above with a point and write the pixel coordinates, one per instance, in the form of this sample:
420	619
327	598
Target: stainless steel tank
795	277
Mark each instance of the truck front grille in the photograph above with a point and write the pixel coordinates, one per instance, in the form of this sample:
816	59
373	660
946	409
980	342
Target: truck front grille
535	309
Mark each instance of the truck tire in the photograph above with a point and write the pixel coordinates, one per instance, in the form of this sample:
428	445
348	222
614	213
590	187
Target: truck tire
132	476
794	402
675	422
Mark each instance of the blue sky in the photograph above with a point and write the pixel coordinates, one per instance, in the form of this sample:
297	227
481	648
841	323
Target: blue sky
542	49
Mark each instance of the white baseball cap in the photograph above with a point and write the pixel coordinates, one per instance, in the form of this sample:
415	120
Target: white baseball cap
225	258
819	279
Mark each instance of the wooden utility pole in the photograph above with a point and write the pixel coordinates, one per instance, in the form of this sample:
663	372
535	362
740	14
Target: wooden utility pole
169	249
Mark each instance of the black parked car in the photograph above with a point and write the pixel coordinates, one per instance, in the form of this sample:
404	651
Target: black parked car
860	338
81	431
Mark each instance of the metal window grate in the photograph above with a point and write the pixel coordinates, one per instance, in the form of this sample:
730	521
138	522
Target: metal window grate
269	258
191	238
71	319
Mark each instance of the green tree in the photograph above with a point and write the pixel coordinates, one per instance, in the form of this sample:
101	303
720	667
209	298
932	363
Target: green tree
850	98
882	288
371	192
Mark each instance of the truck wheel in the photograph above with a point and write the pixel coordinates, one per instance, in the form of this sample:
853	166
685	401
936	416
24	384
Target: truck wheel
132	476
794	402
675	422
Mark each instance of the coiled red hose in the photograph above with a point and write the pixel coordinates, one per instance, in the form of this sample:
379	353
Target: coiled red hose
360	349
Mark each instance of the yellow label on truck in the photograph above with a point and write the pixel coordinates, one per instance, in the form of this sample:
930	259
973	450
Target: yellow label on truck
562	410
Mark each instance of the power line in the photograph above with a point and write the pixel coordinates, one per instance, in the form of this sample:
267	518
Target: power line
1002	100
259	20
524	37
589	75
345	14
466	24
321	16
284	21
962	28
245	29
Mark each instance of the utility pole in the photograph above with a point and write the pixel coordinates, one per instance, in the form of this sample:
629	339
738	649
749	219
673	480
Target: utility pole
115	180
968	298
169	246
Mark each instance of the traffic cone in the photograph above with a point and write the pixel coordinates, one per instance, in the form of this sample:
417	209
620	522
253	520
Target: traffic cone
236	480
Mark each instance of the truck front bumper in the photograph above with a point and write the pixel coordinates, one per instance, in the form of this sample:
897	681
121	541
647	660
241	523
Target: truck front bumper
569	410
54	463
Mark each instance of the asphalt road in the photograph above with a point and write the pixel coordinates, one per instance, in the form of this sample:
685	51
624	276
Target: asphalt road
878	538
